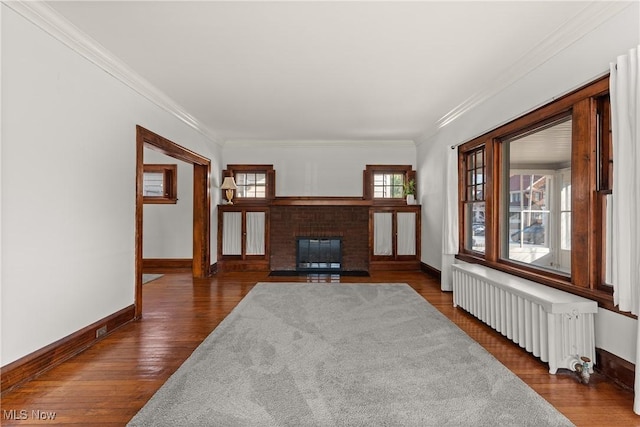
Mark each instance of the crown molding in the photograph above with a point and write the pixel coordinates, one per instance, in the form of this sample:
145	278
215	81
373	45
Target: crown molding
54	24
365	144
589	18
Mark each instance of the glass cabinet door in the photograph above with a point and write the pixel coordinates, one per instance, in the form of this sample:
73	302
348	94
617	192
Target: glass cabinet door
254	243
383	233
232	233
406	239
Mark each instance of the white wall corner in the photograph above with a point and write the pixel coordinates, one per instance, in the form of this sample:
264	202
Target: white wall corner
46	18
590	18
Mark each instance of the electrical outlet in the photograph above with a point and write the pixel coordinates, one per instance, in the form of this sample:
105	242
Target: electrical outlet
101	331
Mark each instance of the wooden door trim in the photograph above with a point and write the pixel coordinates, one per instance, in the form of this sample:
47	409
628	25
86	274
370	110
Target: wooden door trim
201	205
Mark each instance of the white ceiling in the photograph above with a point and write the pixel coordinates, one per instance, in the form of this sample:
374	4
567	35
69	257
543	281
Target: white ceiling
332	70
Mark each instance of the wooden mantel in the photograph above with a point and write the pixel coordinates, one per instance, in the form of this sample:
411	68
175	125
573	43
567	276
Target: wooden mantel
320	201
327	201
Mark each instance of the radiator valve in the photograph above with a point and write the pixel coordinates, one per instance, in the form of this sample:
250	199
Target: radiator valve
582	369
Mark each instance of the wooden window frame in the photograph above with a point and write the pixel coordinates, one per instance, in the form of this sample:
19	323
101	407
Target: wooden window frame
604	184
587	261
368	182
469	196
270	186
169	183
605	145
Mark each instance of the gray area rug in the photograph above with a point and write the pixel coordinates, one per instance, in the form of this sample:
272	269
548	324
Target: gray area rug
146	278
298	354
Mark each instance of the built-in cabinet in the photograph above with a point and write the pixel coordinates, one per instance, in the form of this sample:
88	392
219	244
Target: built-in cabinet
243	238
394	237
262	232
245	242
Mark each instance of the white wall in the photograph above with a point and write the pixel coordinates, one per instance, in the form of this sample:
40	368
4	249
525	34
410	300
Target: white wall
68	187
580	63
616	334
168	228
307	168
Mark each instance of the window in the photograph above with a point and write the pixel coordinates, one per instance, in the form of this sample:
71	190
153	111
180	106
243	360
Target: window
251	184
159	184
387	183
474	203
605	187
533	196
255	183
537	223
605	147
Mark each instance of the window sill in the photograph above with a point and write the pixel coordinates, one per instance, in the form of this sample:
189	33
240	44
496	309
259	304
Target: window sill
158	201
390	202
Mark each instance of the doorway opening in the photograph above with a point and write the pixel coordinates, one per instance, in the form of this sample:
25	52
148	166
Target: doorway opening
201	264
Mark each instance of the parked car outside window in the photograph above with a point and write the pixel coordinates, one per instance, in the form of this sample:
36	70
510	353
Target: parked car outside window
531	234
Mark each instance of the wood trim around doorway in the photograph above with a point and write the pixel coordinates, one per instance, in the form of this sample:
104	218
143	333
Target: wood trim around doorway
201	265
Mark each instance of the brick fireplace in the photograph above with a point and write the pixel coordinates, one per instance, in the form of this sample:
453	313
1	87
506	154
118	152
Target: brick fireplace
350	224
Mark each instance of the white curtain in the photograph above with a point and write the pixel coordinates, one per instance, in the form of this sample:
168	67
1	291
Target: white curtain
406	233
450	218
255	233
231	233
382	233
625	268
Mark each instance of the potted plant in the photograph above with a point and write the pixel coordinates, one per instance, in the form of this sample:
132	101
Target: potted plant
409	190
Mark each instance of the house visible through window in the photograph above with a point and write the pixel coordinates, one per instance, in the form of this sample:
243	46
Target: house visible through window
537	167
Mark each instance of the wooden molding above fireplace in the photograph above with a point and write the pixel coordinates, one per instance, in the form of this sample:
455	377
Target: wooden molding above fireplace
335	201
320	201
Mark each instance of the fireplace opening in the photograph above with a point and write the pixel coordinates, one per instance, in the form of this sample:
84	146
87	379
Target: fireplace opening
319	254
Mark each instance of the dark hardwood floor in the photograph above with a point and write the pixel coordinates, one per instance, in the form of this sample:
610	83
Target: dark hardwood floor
108	383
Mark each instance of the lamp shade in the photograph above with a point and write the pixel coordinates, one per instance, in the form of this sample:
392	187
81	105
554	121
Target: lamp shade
228	184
